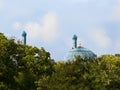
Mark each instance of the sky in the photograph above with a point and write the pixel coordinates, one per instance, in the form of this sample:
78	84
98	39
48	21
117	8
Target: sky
52	23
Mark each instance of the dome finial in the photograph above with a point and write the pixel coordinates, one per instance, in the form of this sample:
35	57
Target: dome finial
74	41
74	37
24	34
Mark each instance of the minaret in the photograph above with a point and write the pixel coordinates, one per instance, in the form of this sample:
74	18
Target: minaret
74	41
24	34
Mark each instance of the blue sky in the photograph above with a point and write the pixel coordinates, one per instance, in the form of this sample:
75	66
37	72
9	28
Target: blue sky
52	23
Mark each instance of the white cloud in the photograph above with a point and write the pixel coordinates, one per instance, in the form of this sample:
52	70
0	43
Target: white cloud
1	4
45	30
100	37
79	1
118	1
116	11
17	26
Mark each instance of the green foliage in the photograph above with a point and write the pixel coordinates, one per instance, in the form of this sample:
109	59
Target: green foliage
84	74
25	81
3	86
20	69
7	66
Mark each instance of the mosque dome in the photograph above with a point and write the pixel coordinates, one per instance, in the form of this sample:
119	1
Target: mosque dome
79	51
24	33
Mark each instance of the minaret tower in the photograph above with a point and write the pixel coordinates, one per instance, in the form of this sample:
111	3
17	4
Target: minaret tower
74	41
24	34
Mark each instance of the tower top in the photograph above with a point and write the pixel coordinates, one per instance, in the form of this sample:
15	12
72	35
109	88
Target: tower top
24	34
74	41
74	37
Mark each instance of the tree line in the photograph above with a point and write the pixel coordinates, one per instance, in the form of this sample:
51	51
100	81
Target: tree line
23	67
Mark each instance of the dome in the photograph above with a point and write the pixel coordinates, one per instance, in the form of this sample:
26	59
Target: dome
79	51
24	33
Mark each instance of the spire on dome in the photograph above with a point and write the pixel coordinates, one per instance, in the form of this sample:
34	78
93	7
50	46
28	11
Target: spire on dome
24	34
74	41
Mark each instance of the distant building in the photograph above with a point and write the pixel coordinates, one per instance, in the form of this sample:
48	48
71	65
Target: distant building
79	51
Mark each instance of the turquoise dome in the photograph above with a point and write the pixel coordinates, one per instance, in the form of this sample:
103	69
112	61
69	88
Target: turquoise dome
79	51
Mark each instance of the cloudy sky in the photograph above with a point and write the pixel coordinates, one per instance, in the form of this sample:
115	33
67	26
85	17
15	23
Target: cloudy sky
52	23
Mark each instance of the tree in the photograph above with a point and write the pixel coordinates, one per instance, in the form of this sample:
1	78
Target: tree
35	67
23	67
110	64
19	68
7	65
70	75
